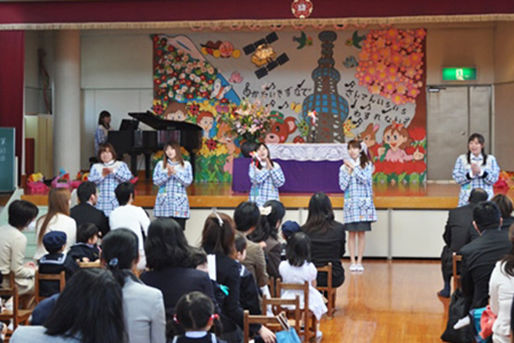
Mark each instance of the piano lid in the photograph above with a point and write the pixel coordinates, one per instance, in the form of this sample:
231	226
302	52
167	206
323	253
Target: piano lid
157	123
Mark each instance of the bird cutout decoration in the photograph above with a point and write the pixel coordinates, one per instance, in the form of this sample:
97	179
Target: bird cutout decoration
356	40
303	40
350	62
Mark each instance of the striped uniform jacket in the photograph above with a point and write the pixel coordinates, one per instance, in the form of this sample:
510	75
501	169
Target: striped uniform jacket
106	185
358	194
171	200
265	183
485	180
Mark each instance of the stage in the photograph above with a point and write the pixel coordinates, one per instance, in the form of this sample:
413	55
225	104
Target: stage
208	195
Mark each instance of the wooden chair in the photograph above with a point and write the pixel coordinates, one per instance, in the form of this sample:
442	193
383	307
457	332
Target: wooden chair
271	323
456	275
309	320
279	305
16	315
61	278
95	264
328	289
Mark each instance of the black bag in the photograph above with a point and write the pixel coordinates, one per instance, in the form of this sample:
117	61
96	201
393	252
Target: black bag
456	311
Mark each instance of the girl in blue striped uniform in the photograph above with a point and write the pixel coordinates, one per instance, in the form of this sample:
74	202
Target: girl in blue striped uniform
475	169
355	180
107	175
172	175
266	176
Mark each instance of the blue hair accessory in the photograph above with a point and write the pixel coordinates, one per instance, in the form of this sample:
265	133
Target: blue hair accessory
113	262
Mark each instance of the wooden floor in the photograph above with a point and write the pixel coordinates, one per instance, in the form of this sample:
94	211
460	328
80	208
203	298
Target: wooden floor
208	195
392	301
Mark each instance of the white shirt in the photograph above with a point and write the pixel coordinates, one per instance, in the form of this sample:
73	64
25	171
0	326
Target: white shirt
60	222
135	219
501	291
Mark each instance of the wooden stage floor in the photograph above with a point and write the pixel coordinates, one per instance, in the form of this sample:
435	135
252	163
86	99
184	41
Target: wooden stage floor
392	301
207	195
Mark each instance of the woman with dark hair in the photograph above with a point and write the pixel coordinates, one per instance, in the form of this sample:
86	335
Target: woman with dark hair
328	238
475	169
171	270
266	231
265	175
102	131
501	291
13	244
172	175
218	237
107	174
89	310
143	306
505	204
56	219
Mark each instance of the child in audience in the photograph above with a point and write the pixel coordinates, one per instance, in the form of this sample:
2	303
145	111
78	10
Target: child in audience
297	269
249	293
289	228
54	262
194	313
172	175
266	176
107	175
356	181
86	248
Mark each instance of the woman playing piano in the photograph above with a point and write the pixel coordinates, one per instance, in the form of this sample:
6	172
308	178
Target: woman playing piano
107	175
104	126
172	175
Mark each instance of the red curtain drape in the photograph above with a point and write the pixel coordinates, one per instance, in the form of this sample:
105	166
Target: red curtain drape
11	85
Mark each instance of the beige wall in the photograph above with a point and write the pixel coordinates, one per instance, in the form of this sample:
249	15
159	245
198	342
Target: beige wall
473	47
504	95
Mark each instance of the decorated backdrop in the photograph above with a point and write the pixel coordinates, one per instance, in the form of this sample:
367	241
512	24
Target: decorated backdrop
328	86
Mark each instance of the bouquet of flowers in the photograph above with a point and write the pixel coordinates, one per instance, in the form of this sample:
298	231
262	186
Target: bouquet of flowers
249	121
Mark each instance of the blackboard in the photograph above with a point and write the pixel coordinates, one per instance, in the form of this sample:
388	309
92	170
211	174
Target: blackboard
7	159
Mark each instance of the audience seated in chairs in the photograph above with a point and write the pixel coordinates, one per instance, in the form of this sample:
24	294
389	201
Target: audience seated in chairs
327	237
12	246
55	262
458	232
195	316
218	239
89	310
56	219
267	232
86	248
86	212
505	205
246	218
143	306
501	292
480	255
169	259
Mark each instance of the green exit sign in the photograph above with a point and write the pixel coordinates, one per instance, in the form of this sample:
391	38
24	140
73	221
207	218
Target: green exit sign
459	74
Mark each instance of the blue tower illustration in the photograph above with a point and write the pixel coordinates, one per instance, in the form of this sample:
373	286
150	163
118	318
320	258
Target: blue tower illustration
331	108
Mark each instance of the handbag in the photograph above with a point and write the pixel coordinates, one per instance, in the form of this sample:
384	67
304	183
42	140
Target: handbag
486	322
288	334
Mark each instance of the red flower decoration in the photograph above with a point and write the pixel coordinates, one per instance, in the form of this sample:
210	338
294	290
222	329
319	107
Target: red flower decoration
211	144
417	133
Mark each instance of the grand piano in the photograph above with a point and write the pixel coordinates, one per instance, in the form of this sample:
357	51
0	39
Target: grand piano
129	140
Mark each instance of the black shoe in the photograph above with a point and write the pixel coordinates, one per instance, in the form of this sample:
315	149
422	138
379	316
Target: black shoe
444	293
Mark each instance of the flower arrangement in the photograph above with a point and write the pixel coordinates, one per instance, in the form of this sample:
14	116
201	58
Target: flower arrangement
249	121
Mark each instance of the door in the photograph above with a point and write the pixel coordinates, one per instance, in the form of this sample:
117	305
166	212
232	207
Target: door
453	113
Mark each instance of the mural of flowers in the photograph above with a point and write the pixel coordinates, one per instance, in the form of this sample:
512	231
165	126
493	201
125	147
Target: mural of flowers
391	64
178	76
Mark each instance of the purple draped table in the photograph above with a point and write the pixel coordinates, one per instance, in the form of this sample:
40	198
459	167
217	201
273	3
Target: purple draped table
301	176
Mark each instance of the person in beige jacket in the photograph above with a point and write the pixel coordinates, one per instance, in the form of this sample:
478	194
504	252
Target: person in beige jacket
13	244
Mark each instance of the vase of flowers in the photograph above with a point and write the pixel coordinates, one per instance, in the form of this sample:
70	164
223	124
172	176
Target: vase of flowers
249	122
